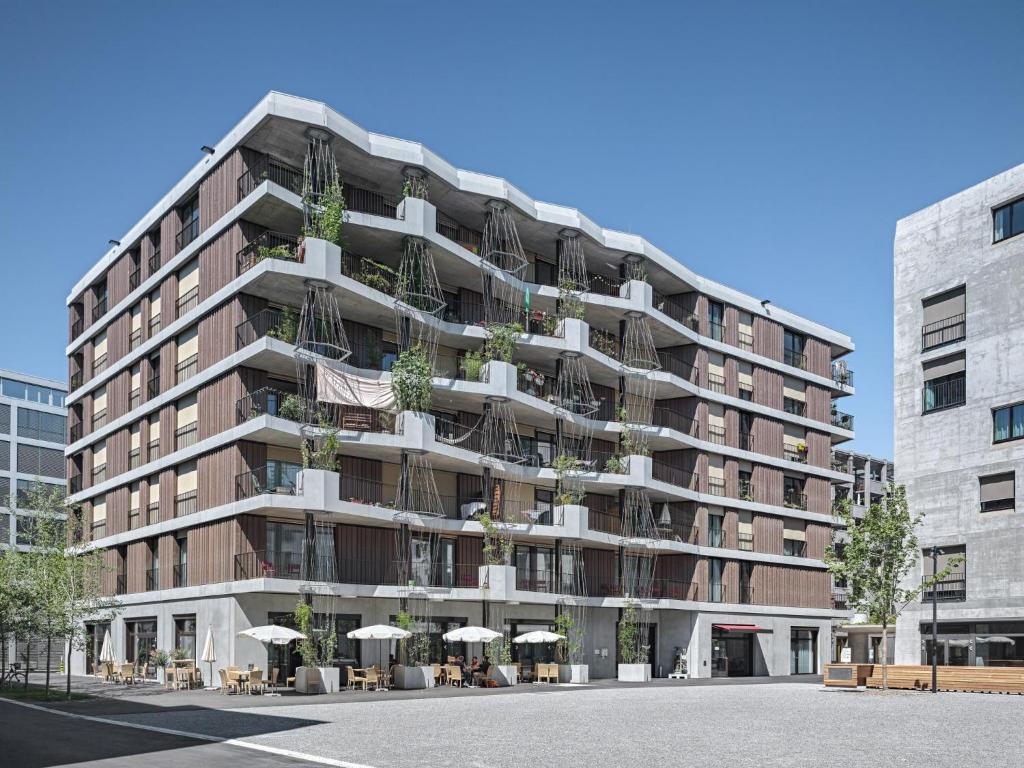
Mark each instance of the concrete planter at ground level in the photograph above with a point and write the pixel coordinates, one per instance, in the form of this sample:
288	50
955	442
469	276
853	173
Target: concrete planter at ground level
317	679
635	673
504	675
413	678
574	673
161	675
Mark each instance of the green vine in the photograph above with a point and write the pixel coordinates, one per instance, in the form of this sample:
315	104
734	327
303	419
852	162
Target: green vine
501	341
328	214
322	452
567	651
411	380
287	328
472	365
292	408
315	652
497	548
629	631
562	465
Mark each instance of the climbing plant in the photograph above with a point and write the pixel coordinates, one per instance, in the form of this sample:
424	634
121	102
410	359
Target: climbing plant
411	380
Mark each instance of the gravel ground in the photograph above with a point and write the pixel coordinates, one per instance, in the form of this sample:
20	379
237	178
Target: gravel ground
735	725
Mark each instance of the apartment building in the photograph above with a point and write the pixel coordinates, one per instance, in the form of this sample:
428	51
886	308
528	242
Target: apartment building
187	403
959	337
33	427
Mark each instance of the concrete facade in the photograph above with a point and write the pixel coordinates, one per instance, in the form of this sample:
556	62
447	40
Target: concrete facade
941	453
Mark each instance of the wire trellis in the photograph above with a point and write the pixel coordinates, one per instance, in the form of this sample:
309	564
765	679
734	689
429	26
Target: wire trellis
416	183
572	264
503	266
320	181
419	300
499	436
572	601
574	392
319	340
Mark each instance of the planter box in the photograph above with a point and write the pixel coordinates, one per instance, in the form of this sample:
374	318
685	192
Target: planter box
504	675
574	673
317	679
635	673
413	678
161	675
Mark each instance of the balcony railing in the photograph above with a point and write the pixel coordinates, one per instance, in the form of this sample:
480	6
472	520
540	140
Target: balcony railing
535	581
266	401
152	579
134	458
745	341
99	473
536	383
152	512
675	309
716	486
458	435
794	454
154	325
842	375
674	475
186	234
76	380
468	238
605	343
673	589
186	503
794	406
266	322
673	419
134	278
154	262
134	398
75	432
99	364
357	490
677	366
794	499
716	330
187	368
181	575
840	598
716	434
187	302
268	245
75	484
794	358
77	328
267	168
368	201
185	436
945	331
952	589
369	272
716	592
842	420
100	309
260	564
134	339
134	518
153	448
152	387
605	286
255	482
604	522
716	383
939	395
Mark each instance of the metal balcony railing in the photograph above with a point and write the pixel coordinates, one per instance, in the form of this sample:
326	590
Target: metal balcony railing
153	387
794	358
185	436
181	575
261	564
716	434
794	499
946	393
716	383
265	479
100	308
674	475
952	589
186	503
673	419
745	341
186	235
842	375
368	201
945	331
268	245
187	368
468	238
187	302
674	309
134	278
154	262
745	541
267	168
152	579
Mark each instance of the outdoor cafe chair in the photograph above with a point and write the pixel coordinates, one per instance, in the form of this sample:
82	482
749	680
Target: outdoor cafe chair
455	675
127	673
226	683
353	678
255	681
372	678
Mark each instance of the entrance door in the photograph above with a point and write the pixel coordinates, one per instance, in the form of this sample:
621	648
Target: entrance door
803	645
731	654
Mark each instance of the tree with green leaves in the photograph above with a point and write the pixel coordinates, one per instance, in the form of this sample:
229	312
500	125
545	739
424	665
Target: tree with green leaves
880	553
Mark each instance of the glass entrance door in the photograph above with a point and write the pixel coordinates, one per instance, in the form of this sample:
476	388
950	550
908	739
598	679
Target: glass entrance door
731	654
802	646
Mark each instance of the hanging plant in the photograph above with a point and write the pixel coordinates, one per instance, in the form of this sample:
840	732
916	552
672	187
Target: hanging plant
472	365
497	548
411	380
321	451
501	341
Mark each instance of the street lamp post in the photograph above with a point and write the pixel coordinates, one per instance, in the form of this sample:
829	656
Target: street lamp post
935	623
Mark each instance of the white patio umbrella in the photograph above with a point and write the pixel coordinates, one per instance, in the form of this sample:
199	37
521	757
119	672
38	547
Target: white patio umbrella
209	656
538	636
997	639
272	633
471	635
379	632
106	650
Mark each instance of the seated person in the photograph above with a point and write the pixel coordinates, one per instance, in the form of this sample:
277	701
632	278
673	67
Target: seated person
482	669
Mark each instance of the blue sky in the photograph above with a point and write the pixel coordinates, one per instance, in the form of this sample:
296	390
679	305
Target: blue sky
770	146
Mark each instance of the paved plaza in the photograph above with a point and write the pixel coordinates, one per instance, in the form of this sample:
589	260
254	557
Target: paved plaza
783	724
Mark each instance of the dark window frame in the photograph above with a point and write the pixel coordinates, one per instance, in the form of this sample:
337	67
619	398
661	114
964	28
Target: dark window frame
1008	207
1009	409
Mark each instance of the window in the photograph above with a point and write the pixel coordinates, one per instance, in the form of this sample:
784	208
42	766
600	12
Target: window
793	350
99	517
1008	423
745	531
745	380
188	288
284	549
189	214
41	426
793	495
945	383
997	492
5	418
794	537
48	462
716	533
746	441
99	353
25	487
153	573
745	331
140	640
34	393
803	645
794	396
188	355
99	462
154	312
185	635
1008	220
153	506
715	590
543	503
716	372
716	321
945	318
187	428
135	334
954	586
187	492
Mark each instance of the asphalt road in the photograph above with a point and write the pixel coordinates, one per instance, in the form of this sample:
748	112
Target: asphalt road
30	738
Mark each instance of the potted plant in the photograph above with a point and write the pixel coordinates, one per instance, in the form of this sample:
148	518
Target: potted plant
160	659
413	670
632	669
316	675
569	652
505	672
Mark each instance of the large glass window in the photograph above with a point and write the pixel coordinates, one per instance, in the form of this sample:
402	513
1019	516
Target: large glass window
282	474
716	321
185	635
284	549
1008	220
1008	423
41	426
793	350
140	640
802	651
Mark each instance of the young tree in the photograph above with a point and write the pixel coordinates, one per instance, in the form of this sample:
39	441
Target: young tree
64	582
880	554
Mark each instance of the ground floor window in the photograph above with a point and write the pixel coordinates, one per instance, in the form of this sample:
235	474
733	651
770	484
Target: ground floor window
732	653
140	641
981	644
94	634
803	651
185	636
529	654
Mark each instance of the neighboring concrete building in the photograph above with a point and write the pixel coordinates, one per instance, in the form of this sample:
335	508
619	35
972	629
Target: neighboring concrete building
187	461
959	389
33	427
867	479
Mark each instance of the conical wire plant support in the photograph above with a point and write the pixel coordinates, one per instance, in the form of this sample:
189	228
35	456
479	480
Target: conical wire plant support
416	183
634	268
639	388
572	264
499	437
575	442
320	341
572	601
639	528
321	184
319	572
638	350
419	300
574	393
503	266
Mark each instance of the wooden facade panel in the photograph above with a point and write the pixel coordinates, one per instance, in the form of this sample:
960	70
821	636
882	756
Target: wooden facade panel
602	570
217	333
365	553
168	490
790	587
118	501
819	494
819	357
117	452
819	538
218	191
818	403
768	387
218	261
819	449
211	551
768	336
767	533
767	482
218	401
138	564
217	471
469	552
167	550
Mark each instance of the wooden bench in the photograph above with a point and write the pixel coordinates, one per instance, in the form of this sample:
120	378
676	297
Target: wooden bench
965	679
847	675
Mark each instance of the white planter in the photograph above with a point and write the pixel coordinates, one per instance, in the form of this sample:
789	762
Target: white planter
504	675
574	673
317	679
413	678
161	675
635	673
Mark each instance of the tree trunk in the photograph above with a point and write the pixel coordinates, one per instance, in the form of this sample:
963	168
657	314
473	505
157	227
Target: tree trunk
49	639
67	667
28	652
885	657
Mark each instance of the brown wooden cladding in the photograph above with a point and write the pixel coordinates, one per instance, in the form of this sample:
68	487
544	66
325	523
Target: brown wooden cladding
218	404
218	191
785	585
767	533
819	357
819	494
138	564
818	403
602	570
768	337
212	548
819	538
469	551
217	333
365	554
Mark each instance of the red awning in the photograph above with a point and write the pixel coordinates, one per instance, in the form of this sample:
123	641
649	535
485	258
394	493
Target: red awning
740	628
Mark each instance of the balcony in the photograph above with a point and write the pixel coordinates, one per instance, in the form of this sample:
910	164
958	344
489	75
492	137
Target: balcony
260	564
673	589
677	476
536	383
793	406
153	387
269	245
369	272
267	168
535	581
152	579
186	235
794	498
181	575
186	503
368	201
270	402
76	380
187	302
75	432
795	359
795	454
947	392
745	341
676	310
840	598
605	522
187	368
468	238
185	436
842	375
605	343
716	330
678	367
949	590
671	418
842	420
75	484
269	478
77	328
154	262
134	278
946	331
100	309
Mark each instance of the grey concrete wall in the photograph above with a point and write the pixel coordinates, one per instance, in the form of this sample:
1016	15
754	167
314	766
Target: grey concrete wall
939	456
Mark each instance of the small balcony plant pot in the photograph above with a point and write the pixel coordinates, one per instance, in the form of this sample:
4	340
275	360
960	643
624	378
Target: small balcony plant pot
505	675
578	674
413	678
634	673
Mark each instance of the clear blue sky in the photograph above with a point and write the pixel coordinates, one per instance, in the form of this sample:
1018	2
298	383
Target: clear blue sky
770	146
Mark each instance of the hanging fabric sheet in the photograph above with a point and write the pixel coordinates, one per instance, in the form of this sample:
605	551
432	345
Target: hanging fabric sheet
333	386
